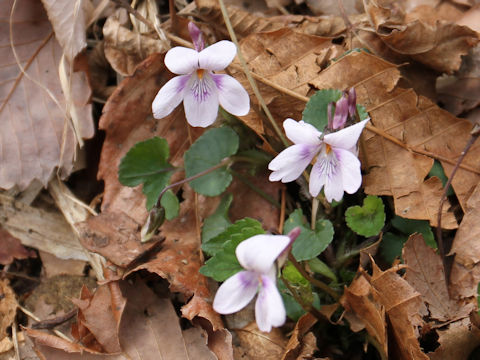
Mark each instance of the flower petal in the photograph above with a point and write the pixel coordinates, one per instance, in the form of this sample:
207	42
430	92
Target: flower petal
236	292
260	251
181	60
231	94
350	169
290	163
169	96
269	308
217	56
347	137
201	101
300	132
317	178
196	35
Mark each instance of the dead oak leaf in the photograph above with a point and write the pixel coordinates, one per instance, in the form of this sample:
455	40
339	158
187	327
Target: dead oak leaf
425	273
36	134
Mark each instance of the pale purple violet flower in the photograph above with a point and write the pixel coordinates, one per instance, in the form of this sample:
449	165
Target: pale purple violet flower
336	168
345	110
201	90
257	256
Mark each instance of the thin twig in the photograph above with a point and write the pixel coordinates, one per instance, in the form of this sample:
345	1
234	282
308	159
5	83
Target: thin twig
441	247
245	69
36	318
312	280
15	339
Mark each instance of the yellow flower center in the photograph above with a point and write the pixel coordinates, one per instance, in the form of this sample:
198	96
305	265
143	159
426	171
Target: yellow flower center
200	73
328	149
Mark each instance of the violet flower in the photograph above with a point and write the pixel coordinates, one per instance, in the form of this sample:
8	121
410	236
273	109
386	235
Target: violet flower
345	110
201	90
336	168
257	256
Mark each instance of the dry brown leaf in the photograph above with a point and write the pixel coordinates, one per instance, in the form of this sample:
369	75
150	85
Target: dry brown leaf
36	135
257	345
124	48
11	248
436	43
116	236
8	307
426	275
68	21
298	344
54	266
457	341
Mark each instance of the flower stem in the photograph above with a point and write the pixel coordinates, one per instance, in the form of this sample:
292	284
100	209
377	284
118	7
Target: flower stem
312	280
249	76
307	307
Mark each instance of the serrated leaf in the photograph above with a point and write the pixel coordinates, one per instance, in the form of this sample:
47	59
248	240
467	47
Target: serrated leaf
171	205
241	229
218	221
309	243
209	150
224	262
146	163
315	112
366	220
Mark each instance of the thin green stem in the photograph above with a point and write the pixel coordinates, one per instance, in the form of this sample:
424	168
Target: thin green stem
313	220
260	192
312	280
307	307
231	32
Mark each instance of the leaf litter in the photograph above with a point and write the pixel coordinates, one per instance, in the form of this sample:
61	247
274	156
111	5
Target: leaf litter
397	308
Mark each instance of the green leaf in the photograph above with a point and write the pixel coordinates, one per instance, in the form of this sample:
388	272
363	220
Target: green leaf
309	243
315	112
437	170
218	221
409	227
171	205
319	267
366	220
242	229
209	150
293	276
391	246
224	262
146	163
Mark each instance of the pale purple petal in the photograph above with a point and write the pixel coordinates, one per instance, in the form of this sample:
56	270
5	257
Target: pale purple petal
341	113
290	163
196	36
347	137
324	172
236	292
300	132
231	94
201	101
317	179
269	308
181	60
259	252
350	170
334	187
217	56
169	96
352	101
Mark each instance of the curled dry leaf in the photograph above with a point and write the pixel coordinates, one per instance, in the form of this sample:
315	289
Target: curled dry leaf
36	133
299	344
11	248
8	307
437	44
257	345
124	48
68	21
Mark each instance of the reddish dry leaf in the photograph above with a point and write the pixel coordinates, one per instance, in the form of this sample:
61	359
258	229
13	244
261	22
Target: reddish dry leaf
11	248
124	48
363	311
116	236
35	135
68	21
437	44
426	275
54	266
297	343
8	307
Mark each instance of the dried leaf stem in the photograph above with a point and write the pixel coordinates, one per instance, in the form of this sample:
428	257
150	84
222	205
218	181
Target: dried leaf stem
36	318
245	69
441	246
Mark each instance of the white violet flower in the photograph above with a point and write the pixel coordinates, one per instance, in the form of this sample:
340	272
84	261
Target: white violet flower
336	167
257	256
201	90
